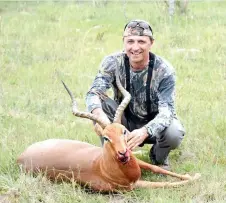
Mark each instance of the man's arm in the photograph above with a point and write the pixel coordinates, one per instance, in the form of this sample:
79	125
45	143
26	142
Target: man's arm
166	107
102	82
163	118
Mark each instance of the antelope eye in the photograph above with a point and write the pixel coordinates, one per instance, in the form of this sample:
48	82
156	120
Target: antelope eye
106	139
125	132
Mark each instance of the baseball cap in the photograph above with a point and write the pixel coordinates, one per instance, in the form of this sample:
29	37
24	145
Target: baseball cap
138	28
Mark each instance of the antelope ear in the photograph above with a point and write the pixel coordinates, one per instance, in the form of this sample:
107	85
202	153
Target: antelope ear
98	129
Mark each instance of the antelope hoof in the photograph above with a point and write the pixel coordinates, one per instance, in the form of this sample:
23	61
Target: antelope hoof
188	177
196	176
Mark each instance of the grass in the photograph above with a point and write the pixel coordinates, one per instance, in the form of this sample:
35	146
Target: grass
43	42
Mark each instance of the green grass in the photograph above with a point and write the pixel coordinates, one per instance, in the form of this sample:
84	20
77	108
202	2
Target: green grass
41	43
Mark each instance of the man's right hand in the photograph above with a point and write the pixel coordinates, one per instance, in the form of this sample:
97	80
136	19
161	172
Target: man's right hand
100	113
98	129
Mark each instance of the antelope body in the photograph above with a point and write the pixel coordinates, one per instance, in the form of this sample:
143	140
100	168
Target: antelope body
103	169
111	168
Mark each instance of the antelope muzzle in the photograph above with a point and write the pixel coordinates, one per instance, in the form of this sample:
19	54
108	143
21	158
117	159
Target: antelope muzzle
124	157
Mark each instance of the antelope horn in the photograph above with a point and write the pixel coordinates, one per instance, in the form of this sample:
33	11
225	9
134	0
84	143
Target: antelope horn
81	114
125	101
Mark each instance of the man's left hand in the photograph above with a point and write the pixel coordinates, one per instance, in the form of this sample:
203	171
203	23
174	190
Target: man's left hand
136	137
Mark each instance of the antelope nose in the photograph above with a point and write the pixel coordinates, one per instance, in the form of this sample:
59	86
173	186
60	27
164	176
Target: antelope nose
124	154
124	157
121	153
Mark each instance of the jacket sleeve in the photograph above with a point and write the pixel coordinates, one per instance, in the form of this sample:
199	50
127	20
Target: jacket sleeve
166	93
102	82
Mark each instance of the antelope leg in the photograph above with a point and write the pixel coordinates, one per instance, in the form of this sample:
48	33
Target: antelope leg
157	169
148	184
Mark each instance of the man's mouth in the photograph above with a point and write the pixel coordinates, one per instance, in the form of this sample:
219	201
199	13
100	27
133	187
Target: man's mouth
136	54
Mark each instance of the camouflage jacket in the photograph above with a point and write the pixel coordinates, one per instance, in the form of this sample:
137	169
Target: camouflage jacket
162	90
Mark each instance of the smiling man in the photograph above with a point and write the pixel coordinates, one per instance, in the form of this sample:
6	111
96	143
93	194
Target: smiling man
150	116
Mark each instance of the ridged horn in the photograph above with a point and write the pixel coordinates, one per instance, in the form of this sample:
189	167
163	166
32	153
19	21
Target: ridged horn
125	101
82	114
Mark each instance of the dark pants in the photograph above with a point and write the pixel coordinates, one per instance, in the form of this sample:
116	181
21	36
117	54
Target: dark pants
164	142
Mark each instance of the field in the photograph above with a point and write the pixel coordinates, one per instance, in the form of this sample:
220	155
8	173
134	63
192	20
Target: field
44	42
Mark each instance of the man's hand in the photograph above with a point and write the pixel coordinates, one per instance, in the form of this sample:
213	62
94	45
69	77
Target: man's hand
99	112
136	137
98	129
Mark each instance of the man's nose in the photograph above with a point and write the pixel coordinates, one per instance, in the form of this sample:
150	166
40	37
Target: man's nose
135	46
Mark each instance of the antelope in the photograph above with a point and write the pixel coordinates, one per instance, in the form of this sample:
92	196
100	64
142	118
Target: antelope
110	168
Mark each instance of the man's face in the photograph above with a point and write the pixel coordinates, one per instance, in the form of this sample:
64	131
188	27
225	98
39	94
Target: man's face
137	48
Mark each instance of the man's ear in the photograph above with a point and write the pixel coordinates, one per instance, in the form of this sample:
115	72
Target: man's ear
152	41
98	129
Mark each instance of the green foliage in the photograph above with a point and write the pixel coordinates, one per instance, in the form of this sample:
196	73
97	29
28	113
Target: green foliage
43	42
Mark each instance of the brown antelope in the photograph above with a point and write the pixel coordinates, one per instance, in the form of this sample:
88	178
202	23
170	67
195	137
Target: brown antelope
108	169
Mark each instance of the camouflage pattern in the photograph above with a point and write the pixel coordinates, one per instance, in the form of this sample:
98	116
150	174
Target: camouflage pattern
138	31
162	90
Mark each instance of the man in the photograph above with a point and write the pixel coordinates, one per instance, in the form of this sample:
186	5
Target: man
150	115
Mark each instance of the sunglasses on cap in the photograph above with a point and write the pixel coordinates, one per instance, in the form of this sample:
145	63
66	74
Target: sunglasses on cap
136	23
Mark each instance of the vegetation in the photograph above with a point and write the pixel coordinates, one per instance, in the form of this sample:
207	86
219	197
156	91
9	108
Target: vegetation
44	42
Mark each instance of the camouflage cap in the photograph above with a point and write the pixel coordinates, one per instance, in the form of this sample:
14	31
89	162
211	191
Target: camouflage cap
138	28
